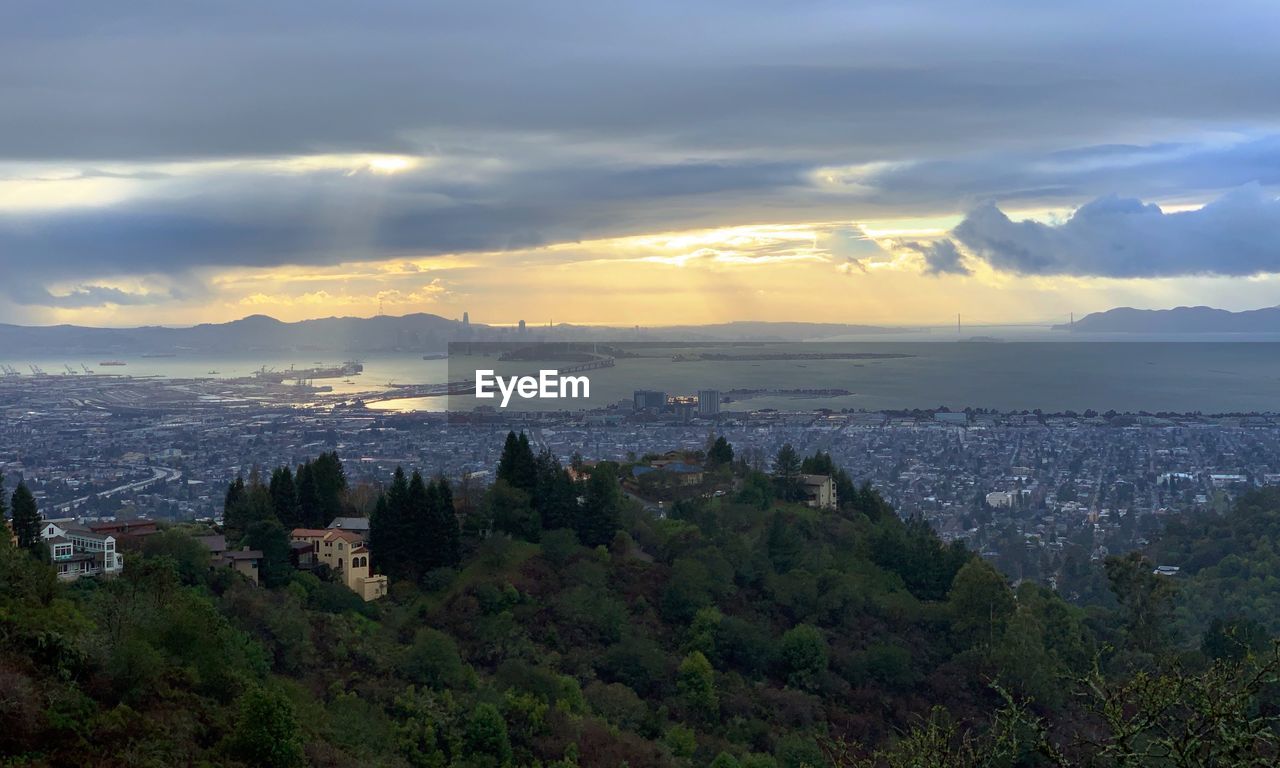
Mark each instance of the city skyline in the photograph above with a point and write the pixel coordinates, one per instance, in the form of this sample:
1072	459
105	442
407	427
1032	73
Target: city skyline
869	164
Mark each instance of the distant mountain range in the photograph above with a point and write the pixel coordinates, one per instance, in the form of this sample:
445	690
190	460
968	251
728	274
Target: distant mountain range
355	336
1177	320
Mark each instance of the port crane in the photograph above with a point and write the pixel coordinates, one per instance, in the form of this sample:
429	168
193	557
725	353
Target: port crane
86	368
37	370
71	371
9	370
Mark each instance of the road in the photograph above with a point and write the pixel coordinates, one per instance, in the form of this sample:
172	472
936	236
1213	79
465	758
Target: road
160	474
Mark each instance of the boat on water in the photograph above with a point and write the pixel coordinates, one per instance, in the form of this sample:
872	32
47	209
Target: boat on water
112	363
160	354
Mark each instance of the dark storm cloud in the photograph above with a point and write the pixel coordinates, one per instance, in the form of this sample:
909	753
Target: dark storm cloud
941	257
329	217
559	121
1235	235
149	79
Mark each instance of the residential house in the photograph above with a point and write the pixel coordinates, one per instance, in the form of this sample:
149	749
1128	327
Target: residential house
243	561
343	550
819	491
683	472
125	531
78	551
359	525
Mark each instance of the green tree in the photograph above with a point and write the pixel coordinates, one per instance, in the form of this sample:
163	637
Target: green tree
1233	639
486	737
725	760
331	482
517	465
190	557
981	603
602	508
442	526
786	473
511	511
234	498
26	517
266	731
246	503
391	530
556	499
432	660
803	654
721	453
1146	600
695	680
284	498
420	505
309	509
270	538
783	544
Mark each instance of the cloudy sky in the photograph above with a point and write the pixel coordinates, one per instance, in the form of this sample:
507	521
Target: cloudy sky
636	162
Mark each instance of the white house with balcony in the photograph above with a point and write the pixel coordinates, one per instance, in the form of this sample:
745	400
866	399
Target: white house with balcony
78	551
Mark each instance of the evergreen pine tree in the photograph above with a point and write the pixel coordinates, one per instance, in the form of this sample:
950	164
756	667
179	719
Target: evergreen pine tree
309	510
233	503
517	465
417	523
786	472
555	499
330	481
270	538
284	497
599	518
26	518
527	472
379	542
721	453
390	531
445	526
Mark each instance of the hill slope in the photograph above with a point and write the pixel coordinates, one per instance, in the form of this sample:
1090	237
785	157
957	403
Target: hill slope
1177	320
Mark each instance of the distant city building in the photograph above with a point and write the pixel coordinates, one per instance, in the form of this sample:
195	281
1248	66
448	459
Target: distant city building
1000	499
650	400
708	402
466	321
521	327
684	408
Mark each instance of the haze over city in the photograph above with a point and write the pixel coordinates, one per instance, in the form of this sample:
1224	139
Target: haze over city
647	164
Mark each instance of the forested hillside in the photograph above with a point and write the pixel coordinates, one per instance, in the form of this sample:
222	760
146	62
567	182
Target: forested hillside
552	621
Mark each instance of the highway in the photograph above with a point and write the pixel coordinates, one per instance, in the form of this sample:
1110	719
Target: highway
160	474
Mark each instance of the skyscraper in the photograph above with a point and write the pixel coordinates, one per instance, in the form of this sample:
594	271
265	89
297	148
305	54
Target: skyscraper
708	402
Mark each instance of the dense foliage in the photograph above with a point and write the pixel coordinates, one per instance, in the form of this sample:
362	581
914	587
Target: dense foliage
551	621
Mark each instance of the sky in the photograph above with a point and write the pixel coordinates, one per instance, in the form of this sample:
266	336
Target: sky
636	163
